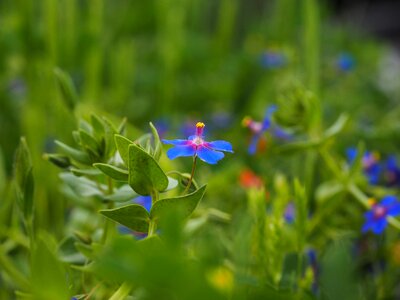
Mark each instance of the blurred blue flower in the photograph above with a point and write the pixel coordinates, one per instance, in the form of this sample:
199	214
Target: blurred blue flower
144	201
290	212
273	59
370	163
392	172
376	217
345	62
195	145
162	126
259	128
312	261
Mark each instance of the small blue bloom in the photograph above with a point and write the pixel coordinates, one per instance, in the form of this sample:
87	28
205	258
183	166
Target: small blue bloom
273	59
196	146
345	62
376	217
144	201
289	213
259	128
392	172
370	163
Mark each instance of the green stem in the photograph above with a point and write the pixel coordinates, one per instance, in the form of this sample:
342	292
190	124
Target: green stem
107	222
152	228
122	292
191	175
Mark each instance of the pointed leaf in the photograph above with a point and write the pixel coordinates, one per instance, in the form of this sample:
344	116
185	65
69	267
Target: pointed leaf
145	175
157	143
48	274
123	144
112	171
24	179
75	154
133	216
186	204
88	141
67	88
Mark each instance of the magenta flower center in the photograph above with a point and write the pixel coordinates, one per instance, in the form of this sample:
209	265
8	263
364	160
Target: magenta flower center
379	211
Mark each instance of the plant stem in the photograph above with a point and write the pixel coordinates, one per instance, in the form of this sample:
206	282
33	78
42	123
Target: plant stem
107	222
191	175
152	228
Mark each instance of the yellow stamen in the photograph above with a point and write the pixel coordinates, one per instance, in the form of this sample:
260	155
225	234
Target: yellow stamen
200	125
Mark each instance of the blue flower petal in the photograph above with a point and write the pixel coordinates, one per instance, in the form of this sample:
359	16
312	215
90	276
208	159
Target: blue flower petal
351	154
379	226
220	146
176	142
394	209
208	155
388	200
254	143
188	150
144	201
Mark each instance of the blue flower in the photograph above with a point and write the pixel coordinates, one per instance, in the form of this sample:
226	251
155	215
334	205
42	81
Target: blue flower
273	59
345	62
196	146
392	172
259	128
290	212
144	201
376	217
370	163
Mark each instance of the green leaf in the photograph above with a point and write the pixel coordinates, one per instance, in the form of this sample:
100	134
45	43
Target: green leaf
172	183
88	141
59	160
82	186
133	216
75	154
98	126
157	143
24	179
337	127
122	194
48	275
88	172
186	204
123	144
145	175
109	132
67	88
113	172
328	189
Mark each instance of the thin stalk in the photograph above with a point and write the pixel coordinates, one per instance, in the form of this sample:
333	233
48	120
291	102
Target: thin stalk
107	222
152	228
191	175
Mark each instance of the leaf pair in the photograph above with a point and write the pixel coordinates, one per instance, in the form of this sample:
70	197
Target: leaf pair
137	218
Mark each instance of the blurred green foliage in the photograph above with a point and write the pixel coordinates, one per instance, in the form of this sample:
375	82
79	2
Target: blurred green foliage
65	63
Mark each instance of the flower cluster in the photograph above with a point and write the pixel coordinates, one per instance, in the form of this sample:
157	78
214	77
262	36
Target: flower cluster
376	171
259	128
376	218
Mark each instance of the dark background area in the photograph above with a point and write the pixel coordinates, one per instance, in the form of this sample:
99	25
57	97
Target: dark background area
379	17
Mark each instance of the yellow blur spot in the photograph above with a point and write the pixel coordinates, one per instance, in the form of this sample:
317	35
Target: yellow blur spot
376	155
200	125
221	278
246	121
371	201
